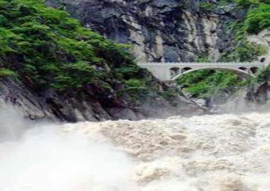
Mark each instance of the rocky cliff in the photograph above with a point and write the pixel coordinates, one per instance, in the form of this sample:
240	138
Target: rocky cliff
53	67
175	30
96	104
158	30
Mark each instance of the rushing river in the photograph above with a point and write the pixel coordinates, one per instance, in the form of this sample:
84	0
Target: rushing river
202	153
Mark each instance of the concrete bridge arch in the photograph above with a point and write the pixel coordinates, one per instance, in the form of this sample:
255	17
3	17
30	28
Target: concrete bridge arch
243	72
172	71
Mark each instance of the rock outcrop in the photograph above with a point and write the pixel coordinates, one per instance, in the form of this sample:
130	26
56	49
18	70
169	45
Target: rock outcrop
263	39
97	104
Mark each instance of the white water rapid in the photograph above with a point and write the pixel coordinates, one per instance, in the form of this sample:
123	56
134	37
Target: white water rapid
202	153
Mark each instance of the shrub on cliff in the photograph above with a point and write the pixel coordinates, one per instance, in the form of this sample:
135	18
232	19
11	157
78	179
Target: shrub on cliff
263	75
49	49
258	19
247	3
6	72
206	83
244	51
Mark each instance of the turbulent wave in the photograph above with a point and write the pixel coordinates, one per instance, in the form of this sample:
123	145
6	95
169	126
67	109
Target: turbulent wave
202	153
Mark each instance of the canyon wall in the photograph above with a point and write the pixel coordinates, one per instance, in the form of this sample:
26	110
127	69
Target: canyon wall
158	30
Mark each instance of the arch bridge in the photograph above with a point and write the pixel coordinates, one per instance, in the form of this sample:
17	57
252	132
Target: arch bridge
171	71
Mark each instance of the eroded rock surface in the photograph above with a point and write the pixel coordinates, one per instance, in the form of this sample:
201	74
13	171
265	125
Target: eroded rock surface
158	30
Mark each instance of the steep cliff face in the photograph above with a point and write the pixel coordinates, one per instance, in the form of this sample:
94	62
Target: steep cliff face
97	104
158	30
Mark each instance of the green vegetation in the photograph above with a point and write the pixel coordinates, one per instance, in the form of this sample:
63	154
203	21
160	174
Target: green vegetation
258	19
244	52
207	6
206	83
135	87
210	6
49	49
258	15
262	76
248	3
6	72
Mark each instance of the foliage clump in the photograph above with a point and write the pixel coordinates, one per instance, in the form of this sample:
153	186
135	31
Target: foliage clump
49	49
244	51
258	19
248	3
6	72
262	76
206	83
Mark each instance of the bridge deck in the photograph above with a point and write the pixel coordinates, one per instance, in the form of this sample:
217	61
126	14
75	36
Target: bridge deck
186	64
172	70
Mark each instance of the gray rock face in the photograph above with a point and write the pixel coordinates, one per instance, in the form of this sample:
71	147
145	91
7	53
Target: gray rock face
158	30
15	93
52	106
248	99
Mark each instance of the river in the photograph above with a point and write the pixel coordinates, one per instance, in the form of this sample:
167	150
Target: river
202	153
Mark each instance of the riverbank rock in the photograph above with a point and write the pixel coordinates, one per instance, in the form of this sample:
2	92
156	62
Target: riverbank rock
53	106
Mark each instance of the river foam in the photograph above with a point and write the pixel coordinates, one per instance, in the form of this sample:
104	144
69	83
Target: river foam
202	153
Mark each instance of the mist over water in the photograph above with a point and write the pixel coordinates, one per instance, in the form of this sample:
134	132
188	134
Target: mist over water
202	153
12	124
48	157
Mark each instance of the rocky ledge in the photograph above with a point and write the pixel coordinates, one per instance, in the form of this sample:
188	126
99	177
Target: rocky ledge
91	107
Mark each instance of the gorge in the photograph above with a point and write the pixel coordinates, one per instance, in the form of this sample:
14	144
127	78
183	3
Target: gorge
113	86
78	113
